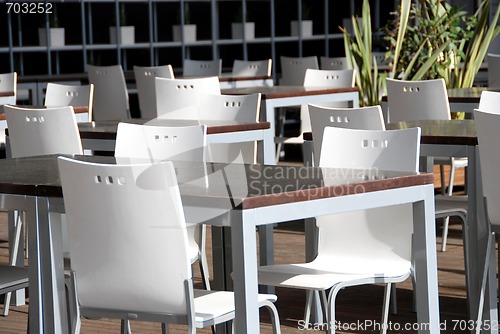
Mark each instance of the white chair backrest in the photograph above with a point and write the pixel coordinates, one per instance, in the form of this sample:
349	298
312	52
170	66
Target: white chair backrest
364	118
417	100
489	101
493	70
487	125
42	131
58	95
380	234
145	80
293	69
110	92
158	143
324	78
107	207
248	68
180	98
8	83
240	108
202	68
333	63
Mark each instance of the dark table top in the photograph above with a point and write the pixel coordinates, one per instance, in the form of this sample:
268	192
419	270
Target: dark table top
253	185
107	129
275	92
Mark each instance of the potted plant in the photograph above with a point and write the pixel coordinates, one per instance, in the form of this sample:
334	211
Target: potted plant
437	40
127	33
184	30
237	30
306	24
55	34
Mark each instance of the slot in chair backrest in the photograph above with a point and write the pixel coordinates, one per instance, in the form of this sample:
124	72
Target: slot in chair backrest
488	136
58	95
247	68
417	100
110	92
293	69
240	108
42	131
493	70
180	98
364	118
333	63
202	68
138	202
145	80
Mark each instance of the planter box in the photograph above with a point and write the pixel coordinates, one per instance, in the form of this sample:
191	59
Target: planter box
189	33
56	36
307	28
127	35
237	30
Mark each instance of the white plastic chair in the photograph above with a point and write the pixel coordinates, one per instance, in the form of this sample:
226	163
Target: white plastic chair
158	143
293	69
487	124
39	131
493	70
180	98
249	68
240	108
361	247
142	203
318	78
110	92
58	95
145	80
202	68
333	63
424	100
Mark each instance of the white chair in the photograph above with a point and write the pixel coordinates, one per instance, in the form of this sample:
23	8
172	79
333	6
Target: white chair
489	101
249	68
333	63
58	95
122	203
318	78
293	69
110	92
424	100
240	108
202	68
145	81
487	125
361	247
493	70
157	143
180	98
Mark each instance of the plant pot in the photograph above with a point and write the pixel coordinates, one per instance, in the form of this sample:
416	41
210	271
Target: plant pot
307	28
127	35
189	33
56	36
237	30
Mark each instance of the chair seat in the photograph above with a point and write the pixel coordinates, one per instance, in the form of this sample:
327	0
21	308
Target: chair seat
457	162
12	278
313	276
213	307
451	205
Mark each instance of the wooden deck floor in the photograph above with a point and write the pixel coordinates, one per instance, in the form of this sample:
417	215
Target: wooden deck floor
354	304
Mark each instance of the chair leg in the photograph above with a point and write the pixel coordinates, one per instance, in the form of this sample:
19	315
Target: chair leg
307	311
275	319
12	260
452	179
331	310
443	183
125	326
394	300
164	328
446	223
205	274
385	308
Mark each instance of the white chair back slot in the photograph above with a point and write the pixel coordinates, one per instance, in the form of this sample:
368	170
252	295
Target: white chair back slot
333	63
202	68
293	69
247	68
58	95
